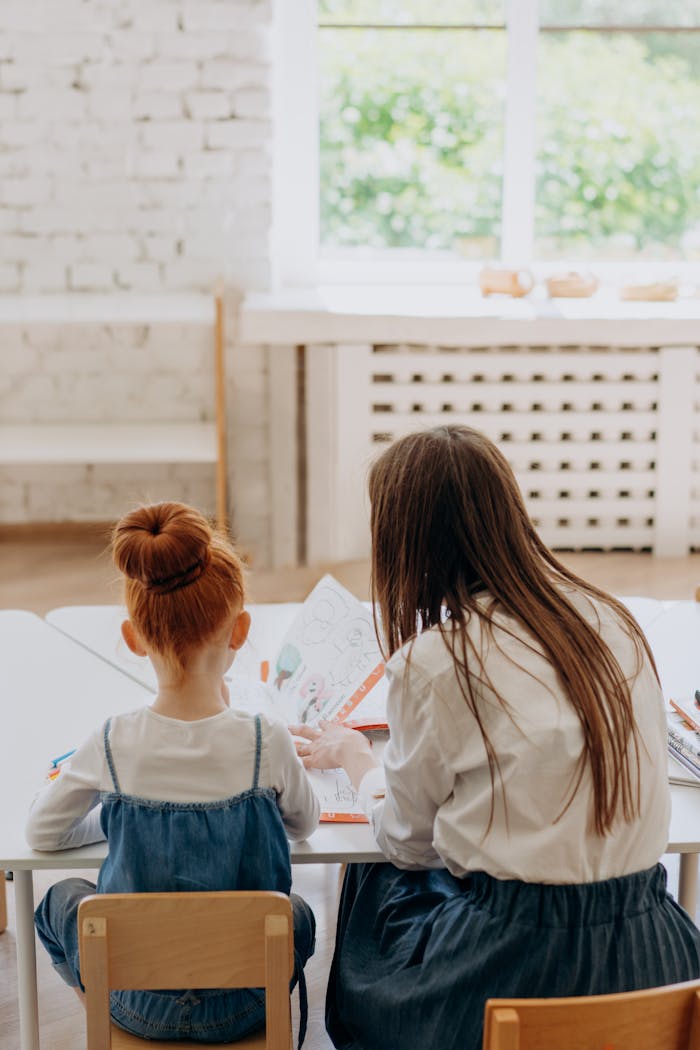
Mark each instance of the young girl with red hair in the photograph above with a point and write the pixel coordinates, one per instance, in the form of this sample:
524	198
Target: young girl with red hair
190	793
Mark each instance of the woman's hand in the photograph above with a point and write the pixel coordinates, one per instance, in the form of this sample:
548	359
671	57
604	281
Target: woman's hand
329	745
332	746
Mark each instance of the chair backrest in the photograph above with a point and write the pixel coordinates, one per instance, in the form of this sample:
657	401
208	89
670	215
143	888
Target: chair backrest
187	940
665	1018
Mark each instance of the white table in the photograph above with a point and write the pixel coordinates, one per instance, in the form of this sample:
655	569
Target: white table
675	641
54	691
672	627
40	660
98	628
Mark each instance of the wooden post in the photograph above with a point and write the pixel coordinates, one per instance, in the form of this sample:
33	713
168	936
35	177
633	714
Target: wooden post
220	381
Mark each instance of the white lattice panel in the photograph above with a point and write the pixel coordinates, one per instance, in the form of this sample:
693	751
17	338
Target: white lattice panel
581	426
694	496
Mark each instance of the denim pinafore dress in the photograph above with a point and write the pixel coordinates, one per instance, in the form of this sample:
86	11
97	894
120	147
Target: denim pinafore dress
238	843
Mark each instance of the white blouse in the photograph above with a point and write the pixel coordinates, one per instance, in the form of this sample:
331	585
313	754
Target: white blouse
435	778
166	759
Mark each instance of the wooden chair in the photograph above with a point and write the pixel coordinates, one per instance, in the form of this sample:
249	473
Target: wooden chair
655	1019
186	940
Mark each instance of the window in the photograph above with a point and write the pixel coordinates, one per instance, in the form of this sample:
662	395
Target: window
411	125
618	139
448	132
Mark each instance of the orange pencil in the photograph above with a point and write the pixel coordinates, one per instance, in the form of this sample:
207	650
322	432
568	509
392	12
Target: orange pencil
692	723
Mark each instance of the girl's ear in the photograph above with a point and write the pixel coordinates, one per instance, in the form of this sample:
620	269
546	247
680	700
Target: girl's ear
132	639
240	630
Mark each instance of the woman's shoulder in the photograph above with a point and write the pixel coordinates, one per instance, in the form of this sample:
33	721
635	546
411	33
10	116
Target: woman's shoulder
488	624
426	654
607	615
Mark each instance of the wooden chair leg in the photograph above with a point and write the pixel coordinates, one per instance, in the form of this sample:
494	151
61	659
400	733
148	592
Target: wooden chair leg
3	902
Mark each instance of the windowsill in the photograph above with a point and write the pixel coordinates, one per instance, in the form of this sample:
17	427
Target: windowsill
462	316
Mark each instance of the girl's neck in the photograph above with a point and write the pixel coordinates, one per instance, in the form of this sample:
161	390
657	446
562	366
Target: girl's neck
193	698
196	690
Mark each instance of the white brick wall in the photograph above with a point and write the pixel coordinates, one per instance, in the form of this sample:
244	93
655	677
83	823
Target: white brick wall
74	493
134	373
135	146
105	104
110	374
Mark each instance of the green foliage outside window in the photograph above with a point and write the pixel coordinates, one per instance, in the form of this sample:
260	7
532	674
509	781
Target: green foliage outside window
412	142
411	137
619	148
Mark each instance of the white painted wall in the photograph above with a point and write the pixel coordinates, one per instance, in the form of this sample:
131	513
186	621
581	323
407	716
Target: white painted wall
134	144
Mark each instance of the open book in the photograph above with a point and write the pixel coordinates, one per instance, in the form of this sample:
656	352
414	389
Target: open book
327	666
683	725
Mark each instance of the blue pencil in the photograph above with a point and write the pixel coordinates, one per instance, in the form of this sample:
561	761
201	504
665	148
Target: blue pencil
62	758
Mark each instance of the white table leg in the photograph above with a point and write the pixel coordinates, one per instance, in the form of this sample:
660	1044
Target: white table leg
26	961
3	902
688	883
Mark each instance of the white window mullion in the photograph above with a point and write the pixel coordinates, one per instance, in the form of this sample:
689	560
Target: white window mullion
517	241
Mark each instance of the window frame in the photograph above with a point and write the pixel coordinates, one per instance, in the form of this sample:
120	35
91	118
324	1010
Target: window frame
297	260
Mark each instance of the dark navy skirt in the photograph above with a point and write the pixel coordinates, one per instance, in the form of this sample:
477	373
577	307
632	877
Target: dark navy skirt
418	953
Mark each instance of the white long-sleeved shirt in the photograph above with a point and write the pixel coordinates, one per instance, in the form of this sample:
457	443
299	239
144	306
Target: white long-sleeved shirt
166	759
435	777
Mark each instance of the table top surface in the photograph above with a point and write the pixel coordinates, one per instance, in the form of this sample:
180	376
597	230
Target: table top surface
54	691
65	674
98	627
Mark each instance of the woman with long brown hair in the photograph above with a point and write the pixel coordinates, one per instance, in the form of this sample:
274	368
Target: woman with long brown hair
523	802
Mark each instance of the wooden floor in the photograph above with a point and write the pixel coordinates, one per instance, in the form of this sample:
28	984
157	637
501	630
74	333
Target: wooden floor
43	568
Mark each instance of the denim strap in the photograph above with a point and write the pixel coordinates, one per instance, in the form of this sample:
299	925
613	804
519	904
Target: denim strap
110	760
303	998
258	748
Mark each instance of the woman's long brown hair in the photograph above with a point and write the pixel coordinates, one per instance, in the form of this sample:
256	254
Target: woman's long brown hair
182	580
448	521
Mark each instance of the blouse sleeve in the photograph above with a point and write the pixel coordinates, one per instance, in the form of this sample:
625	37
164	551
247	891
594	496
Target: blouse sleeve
417	776
65	813
297	802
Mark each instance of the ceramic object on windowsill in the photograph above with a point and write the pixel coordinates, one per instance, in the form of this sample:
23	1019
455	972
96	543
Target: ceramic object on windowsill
502	280
654	292
571	285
